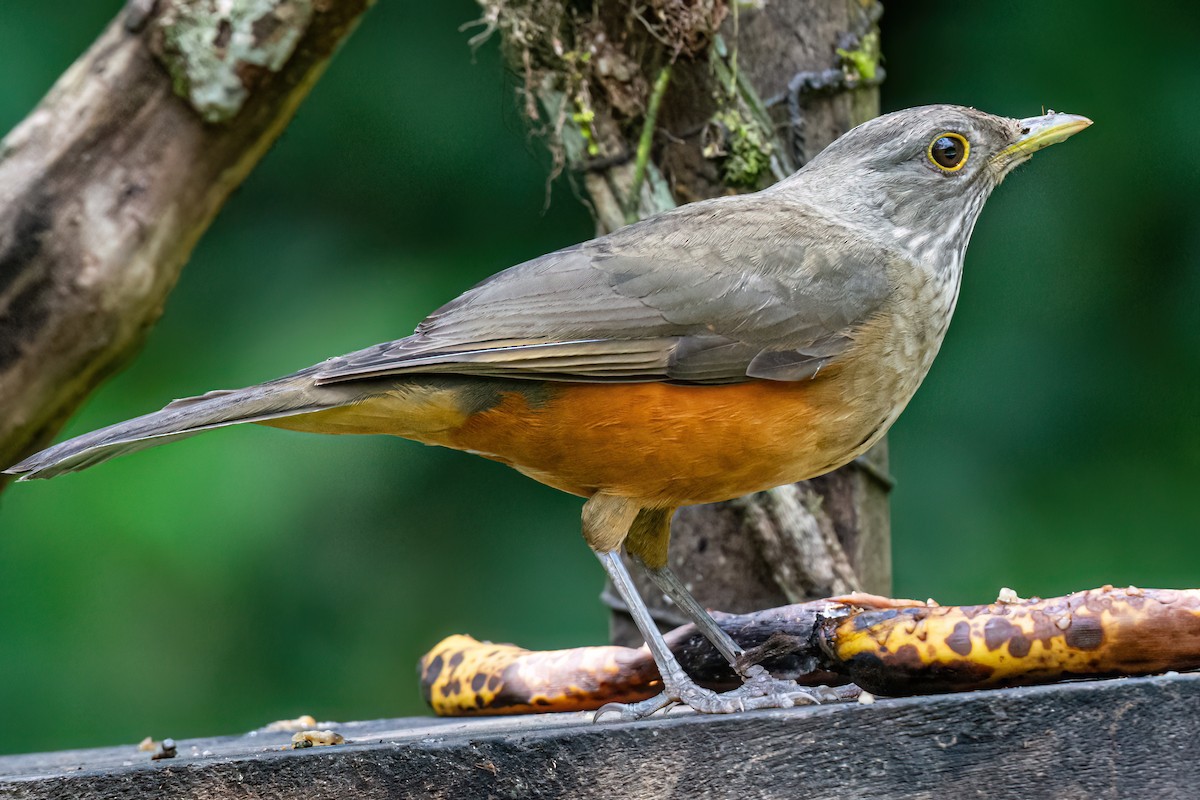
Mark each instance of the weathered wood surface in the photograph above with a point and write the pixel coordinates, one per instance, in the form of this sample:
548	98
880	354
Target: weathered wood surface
1119	739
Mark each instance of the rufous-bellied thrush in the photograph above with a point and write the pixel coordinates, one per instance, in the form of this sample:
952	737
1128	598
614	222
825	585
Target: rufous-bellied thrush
711	351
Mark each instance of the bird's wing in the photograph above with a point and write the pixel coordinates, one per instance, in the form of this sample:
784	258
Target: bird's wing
715	292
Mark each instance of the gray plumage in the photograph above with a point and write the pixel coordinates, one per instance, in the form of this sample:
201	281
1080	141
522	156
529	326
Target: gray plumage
715	292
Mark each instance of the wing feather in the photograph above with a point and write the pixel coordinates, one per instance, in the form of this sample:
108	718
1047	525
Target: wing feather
715	292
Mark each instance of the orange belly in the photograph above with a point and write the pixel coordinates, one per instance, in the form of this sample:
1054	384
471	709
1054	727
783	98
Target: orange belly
663	444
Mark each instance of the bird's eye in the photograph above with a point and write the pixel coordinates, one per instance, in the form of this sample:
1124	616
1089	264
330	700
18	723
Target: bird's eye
948	151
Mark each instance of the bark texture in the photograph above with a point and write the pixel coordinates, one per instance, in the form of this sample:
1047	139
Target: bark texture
107	185
672	101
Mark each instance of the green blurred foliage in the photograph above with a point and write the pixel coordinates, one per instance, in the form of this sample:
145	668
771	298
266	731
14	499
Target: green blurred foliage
255	574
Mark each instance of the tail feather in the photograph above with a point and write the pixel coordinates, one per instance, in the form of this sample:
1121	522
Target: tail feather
285	397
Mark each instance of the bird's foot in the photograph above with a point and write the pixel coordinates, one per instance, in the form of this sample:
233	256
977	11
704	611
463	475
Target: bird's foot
759	683
759	691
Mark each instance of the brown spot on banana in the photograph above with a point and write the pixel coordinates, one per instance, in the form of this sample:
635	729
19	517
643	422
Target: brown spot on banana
1097	633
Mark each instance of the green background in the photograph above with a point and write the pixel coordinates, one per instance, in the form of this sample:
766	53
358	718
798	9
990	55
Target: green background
250	575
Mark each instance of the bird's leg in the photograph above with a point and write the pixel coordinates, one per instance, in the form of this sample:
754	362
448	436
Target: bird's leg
677	686
647	544
756	680
672	587
759	691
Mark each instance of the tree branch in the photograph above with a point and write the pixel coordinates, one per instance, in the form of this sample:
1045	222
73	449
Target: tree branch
108	184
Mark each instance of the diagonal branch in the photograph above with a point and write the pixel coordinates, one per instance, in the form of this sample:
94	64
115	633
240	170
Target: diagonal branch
108	184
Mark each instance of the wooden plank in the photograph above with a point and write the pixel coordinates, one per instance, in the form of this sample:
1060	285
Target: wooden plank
1107	739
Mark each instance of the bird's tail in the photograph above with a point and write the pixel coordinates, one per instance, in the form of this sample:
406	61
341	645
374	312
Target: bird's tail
285	397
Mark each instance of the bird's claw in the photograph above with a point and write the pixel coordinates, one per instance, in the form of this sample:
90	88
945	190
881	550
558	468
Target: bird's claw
759	683
631	712
759	691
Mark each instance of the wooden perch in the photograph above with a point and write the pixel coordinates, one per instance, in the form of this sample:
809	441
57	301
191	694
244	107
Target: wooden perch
1101	740
891	647
107	185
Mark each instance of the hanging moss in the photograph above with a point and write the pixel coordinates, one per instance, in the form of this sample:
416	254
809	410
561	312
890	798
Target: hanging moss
584	80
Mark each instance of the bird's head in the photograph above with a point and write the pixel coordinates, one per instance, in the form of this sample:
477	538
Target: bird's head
924	173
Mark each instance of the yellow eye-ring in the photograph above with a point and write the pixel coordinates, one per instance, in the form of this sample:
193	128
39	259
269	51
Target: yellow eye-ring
948	151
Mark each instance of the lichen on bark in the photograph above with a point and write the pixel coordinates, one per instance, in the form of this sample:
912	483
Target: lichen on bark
216	50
